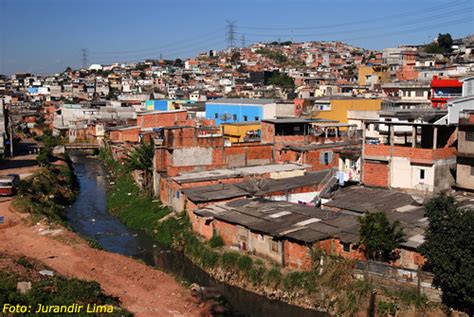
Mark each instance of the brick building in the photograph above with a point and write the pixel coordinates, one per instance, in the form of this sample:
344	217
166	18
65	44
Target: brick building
422	163
287	233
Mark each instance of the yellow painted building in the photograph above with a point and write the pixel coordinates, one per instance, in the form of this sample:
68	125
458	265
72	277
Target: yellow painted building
336	109
373	75
241	131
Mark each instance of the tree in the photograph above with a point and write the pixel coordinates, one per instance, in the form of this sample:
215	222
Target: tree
178	63
445	42
380	237
449	250
441	46
283	81
141	158
235	58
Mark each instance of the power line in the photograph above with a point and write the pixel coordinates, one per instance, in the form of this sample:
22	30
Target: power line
413	29
357	22
163	46
230	35
162	54
84	57
420	19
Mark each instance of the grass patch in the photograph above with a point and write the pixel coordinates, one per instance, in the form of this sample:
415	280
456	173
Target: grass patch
57	291
47	193
133	207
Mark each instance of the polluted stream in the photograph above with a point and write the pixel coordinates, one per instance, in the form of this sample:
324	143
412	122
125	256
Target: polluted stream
89	217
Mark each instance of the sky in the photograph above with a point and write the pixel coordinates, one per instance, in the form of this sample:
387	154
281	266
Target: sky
46	36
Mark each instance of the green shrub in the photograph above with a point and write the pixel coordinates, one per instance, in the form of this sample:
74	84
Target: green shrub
209	258
274	276
216	241
256	275
387	308
300	280
409	296
229	259
244	263
24	262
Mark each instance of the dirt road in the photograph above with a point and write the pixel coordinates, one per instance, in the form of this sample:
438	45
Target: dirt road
141	289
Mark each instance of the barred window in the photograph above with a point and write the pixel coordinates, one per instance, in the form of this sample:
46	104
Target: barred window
470	136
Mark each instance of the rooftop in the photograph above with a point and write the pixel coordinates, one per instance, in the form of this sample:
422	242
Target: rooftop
277	185
241	101
298	120
283	219
369	200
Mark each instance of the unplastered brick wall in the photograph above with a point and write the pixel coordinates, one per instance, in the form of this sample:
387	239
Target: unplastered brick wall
409	152
375	174
297	256
249	155
161	119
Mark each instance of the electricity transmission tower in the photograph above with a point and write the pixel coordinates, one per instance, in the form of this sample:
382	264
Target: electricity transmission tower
84	57
242	38
230	36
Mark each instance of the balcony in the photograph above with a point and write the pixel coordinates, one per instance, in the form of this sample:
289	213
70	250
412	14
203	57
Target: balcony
447	95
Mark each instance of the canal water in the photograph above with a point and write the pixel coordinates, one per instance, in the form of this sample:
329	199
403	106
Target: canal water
89	217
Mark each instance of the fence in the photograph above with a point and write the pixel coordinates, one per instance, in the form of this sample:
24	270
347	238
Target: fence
385	273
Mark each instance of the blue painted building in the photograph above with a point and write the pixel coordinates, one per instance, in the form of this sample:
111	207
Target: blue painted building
239	110
165	104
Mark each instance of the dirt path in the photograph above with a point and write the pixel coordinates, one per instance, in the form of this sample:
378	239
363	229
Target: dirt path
141	289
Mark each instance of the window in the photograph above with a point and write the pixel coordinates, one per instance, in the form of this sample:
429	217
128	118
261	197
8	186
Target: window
234	117
419	93
346	246
274	246
216	115
245	118
469	136
325	158
472	170
177	194
257	118
422	174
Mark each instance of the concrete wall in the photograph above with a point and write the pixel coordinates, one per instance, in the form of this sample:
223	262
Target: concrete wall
192	156
340	107
464	176
465	146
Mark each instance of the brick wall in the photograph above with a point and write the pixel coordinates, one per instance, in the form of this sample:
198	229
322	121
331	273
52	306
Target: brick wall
161	119
417	154
227	231
268	131
297	256
125	135
247	155
375	174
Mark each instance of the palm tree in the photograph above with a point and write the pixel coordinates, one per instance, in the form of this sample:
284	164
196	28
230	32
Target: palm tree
141	158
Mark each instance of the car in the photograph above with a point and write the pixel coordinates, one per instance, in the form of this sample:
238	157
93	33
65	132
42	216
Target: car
9	184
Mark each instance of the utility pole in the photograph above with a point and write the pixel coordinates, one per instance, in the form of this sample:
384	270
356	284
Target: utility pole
230	36
10	123
84	57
